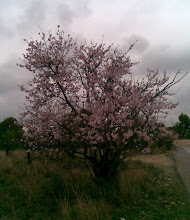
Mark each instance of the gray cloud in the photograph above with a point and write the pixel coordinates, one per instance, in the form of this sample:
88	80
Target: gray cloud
34	15
182	97
8	82
10	95
159	33
67	13
10	105
170	59
5	30
82	8
140	46
166	58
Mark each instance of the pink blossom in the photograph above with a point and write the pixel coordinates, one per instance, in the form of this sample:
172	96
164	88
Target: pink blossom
84	95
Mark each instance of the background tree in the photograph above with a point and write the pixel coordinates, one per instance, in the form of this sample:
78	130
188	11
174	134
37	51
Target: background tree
11	135
83	102
182	128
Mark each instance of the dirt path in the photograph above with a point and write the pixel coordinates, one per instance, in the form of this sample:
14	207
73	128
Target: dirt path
182	159
179	161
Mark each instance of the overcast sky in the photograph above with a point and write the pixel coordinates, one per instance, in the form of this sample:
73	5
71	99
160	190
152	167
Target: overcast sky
162	28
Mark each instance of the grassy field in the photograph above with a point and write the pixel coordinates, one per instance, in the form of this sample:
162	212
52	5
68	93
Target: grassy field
46	190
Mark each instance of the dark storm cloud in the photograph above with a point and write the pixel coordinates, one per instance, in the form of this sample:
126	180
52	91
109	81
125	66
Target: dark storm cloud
166	57
163	57
67	13
11	76
8	78
33	15
10	95
141	43
122	22
10	105
169	59
182	97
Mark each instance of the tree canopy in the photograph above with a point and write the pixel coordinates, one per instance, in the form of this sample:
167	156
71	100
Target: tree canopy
83	101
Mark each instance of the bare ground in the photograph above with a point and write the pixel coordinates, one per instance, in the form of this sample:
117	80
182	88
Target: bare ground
159	160
165	161
182	142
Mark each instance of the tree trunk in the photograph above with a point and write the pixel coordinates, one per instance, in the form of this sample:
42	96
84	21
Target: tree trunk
29	157
105	171
7	151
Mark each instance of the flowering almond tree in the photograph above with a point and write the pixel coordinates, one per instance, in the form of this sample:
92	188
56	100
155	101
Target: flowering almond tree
82	101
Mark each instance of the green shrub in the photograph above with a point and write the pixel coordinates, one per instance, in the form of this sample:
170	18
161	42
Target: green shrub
182	128
11	135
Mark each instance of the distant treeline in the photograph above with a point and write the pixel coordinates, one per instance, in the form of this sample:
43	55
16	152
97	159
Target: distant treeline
182	128
11	135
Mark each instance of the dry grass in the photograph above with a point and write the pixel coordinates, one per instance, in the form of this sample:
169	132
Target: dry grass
164	161
182	142
159	160
45	190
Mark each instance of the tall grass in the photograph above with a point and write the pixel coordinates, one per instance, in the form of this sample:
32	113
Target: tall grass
46	190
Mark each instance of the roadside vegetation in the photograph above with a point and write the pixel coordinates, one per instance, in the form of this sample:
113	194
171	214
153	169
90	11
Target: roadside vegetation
47	189
86	117
182	128
84	100
11	135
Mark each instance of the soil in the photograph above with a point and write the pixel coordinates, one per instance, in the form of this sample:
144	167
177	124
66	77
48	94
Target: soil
175	163
163	159
159	160
182	142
